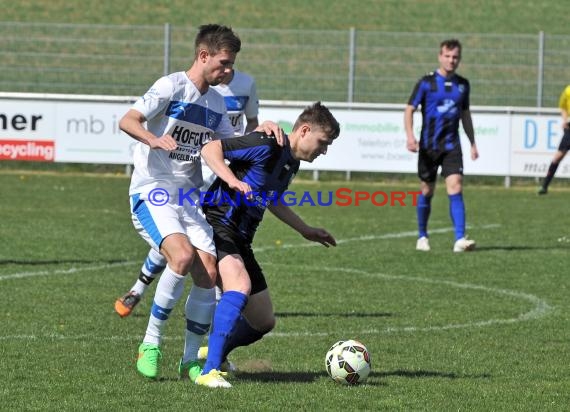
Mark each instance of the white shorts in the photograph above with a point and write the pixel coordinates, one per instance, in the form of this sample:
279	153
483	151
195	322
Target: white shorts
156	222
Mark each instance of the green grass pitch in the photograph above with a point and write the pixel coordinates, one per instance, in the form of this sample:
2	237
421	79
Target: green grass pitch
479	331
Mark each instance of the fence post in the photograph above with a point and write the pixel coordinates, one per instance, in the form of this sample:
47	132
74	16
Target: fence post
167	32
351	54
540	79
351	64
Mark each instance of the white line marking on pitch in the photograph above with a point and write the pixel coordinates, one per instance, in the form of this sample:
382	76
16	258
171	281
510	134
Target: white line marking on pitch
71	270
540	309
77	269
385	236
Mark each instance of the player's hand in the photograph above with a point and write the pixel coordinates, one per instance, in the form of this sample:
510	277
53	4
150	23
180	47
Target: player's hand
166	142
412	145
272	129
242	187
474	152
316	234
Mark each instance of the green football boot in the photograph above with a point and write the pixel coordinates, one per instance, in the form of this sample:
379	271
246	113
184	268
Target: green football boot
148	362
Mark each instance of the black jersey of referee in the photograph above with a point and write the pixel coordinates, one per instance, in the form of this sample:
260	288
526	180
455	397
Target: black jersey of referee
268	168
442	100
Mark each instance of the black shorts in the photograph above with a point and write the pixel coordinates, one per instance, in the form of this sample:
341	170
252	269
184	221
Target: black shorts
429	162
229	243
564	145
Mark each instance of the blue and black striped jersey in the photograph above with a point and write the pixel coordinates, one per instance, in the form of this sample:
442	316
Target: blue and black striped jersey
442	100
268	168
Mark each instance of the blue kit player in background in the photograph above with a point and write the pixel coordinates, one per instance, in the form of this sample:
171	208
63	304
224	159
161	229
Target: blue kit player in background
444	99
239	91
261	168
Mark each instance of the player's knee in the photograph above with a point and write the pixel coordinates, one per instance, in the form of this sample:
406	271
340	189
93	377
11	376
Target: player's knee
244	288
427	188
182	261
454	189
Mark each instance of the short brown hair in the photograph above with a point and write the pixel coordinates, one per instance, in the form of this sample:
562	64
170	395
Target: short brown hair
214	38
450	44
319	115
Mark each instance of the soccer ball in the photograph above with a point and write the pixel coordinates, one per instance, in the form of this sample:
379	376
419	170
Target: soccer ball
348	362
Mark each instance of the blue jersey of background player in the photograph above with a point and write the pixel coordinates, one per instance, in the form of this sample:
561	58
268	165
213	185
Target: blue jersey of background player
444	98
259	166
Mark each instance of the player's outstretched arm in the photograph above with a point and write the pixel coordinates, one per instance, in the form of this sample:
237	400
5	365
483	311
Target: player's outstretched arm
214	156
314	234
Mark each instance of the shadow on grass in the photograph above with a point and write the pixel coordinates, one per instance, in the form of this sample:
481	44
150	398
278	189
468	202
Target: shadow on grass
429	374
307	377
284	377
345	315
516	248
58	262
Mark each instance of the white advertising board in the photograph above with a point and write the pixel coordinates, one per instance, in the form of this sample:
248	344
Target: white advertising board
376	141
79	132
84	129
534	141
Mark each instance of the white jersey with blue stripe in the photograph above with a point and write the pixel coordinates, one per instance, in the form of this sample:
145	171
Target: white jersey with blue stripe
173	105
240	96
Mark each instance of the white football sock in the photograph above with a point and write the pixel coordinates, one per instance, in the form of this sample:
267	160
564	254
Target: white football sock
168	291
153	265
199	309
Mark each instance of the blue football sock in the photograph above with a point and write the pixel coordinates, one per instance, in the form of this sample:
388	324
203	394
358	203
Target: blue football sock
457	213
226	315
242	335
423	210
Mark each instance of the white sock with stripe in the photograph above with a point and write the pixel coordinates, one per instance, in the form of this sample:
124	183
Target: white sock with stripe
168	291
153	265
199	309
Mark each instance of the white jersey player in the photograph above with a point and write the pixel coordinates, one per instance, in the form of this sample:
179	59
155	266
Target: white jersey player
172	121
175	107
240	96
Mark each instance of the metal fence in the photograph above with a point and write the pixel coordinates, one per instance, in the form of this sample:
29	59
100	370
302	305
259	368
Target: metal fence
306	65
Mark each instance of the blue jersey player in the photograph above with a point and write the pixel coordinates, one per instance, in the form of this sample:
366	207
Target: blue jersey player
444	99
258	173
